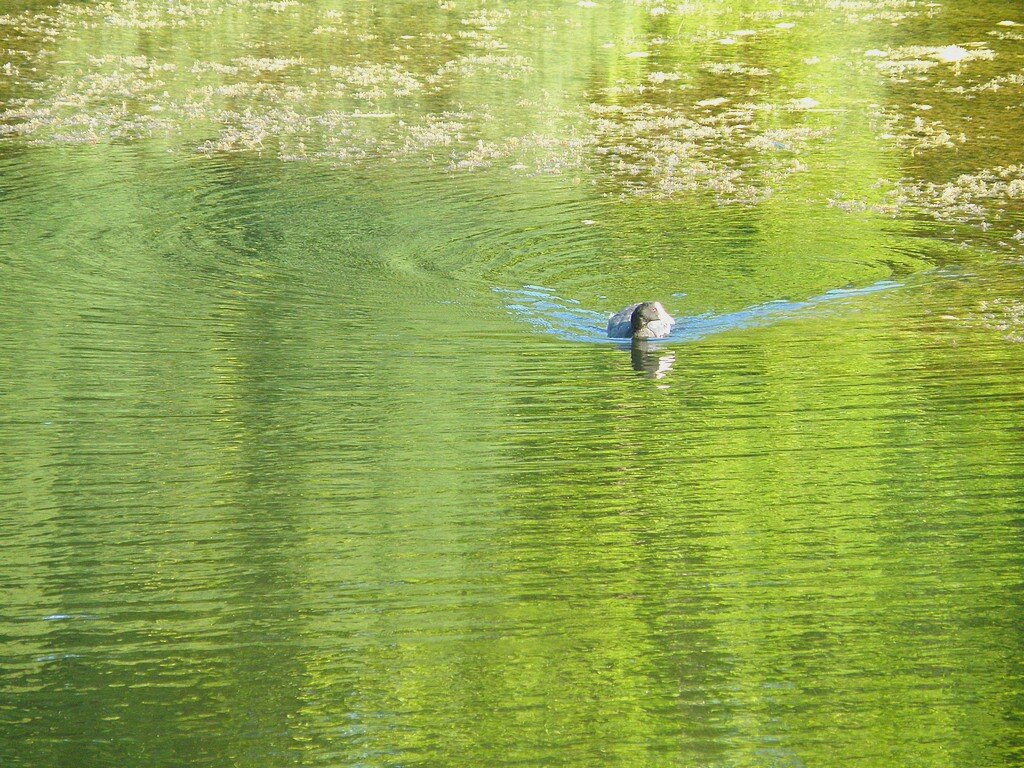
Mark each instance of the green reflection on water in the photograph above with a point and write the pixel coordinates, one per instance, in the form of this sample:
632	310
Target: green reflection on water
283	481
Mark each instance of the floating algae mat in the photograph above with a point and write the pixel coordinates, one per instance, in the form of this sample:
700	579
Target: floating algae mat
313	451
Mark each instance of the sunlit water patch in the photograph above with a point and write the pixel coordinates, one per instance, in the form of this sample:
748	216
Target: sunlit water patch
284	480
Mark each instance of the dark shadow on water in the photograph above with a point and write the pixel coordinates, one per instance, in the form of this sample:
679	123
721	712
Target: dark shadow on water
653	360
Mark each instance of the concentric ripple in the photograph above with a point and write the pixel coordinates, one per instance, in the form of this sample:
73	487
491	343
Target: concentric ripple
313	451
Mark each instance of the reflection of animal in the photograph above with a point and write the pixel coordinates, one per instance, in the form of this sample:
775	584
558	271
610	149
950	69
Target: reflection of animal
648	320
652	360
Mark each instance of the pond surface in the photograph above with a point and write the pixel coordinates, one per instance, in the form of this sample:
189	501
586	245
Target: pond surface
312	451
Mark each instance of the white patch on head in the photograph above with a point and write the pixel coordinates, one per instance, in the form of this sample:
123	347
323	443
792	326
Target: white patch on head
662	327
663	315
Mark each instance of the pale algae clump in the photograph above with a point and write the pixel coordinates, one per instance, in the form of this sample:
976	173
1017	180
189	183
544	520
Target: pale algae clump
442	130
897	63
805	103
917	133
967	194
735	68
507	67
971	197
663	152
375	82
657	78
1011	81
873	12
1001	315
655	107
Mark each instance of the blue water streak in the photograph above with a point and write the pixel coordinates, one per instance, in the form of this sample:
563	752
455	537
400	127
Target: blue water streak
566	319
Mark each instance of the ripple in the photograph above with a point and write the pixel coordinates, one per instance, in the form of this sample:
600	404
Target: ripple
314	451
564	318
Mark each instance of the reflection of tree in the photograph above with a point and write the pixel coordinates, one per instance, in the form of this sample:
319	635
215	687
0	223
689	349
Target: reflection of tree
301	493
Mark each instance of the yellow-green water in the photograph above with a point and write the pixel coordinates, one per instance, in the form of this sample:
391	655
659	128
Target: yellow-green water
311	452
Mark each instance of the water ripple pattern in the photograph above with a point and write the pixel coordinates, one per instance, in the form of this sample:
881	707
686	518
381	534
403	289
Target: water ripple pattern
313	452
566	319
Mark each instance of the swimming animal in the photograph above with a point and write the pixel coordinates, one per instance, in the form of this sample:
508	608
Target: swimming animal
647	320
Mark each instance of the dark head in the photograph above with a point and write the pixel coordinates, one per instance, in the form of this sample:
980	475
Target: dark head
641	321
650	321
642	315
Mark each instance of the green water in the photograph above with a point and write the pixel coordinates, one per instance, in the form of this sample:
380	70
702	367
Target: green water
311	453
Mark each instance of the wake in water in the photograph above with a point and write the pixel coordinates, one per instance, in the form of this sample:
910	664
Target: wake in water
567	319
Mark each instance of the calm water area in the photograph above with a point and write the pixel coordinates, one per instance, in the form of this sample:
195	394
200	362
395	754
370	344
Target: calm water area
313	451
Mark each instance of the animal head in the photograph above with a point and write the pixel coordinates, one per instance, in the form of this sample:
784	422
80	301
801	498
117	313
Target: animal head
650	321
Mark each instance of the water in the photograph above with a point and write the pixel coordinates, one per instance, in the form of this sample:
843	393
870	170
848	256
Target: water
312	452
